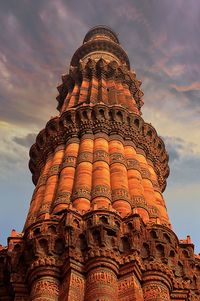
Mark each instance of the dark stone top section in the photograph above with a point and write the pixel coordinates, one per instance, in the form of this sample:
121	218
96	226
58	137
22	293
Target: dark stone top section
99	42
101	31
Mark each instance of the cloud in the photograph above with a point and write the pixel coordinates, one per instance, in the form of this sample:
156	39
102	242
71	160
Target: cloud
195	86
26	141
178	148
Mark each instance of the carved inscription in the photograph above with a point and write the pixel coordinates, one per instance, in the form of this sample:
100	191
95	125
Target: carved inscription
42	180
133	164
120	194
82	192
100	155
101	191
54	170
77	282
145	173
155	292
117	158
45	287
126	284
129	289
76	288
138	201
101	285
62	198
69	161
102	277
153	211
85	157
44	208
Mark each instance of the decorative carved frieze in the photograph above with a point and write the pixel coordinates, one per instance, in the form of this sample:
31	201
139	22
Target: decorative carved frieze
100	155
85	157
69	161
145	173
54	170
138	201
133	164
120	194
81	192
155	291
44	288
117	158
62	198
101	191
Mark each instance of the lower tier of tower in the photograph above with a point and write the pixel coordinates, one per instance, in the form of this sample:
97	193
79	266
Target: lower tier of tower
98	256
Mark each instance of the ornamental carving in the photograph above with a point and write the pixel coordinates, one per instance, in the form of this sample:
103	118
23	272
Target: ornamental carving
155	291
54	170
133	164
138	201
117	158
81	192
63	197
101	191
101	276
100	155
69	161
85	157
145	173
120	194
45	287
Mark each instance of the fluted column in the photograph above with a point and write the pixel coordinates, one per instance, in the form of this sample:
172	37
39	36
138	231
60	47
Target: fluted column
121	98
83	176
45	288
84	88
159	200
119	178
146	182
101	192
112	91
130	101
66	179
66	101
93	88
38	194
102	89
136	189
52	182
101	284
75	94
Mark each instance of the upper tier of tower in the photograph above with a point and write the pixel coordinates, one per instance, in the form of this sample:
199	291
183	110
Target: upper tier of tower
100	73
99	153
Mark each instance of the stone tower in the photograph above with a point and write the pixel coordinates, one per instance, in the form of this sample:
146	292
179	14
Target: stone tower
97	227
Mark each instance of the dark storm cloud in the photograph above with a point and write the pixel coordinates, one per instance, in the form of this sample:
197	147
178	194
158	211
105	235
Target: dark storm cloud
26	141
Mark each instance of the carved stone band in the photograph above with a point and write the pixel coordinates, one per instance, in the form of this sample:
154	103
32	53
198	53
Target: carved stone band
101	191
82	192
100	155
120	194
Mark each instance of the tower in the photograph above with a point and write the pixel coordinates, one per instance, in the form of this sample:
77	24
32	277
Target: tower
97	227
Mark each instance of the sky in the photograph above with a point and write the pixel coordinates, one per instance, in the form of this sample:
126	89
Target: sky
37	41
